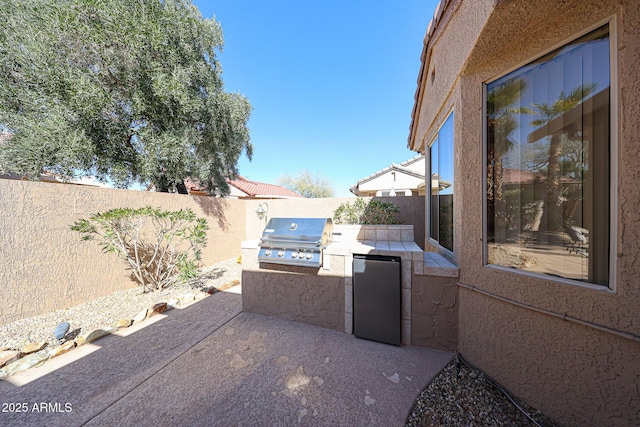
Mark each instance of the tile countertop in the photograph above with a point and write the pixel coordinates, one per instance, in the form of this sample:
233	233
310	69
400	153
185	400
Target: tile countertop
406	250
424	263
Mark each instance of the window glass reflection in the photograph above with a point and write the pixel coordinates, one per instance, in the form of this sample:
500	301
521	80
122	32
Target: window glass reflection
442	185
548	141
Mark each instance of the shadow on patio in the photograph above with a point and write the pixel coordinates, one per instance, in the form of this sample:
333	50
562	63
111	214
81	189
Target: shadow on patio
211	364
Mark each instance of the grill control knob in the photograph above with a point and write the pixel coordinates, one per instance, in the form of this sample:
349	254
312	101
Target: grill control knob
309	255
280	254
267	252
294	254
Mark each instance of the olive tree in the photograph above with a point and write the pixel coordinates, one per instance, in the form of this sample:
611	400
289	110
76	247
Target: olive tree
125	90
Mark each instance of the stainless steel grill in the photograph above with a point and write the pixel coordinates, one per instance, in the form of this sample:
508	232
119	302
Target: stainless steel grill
295	241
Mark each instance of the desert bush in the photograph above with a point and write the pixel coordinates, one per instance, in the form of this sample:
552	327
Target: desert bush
363	212
159	246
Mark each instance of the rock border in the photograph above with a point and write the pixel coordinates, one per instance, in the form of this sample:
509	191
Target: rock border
36	354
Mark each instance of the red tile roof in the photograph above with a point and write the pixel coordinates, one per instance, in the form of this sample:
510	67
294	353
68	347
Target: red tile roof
250	188
260	189
517	176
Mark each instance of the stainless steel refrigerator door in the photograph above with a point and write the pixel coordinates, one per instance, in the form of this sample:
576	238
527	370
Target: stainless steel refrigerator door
377	296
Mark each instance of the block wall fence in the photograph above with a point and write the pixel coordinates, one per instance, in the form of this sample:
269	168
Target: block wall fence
44	266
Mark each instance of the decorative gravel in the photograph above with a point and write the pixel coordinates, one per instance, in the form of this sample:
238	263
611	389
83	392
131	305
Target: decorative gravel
103	312
464	396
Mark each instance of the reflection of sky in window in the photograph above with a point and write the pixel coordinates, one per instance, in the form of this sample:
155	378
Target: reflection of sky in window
577	64
443	164
446	154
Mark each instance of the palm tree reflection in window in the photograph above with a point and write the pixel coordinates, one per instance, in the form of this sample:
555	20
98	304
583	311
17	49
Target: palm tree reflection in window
560	146
501	122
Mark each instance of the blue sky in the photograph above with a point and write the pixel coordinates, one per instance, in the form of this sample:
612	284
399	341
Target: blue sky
331	82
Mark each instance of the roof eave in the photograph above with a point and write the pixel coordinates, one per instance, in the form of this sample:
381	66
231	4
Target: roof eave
425	57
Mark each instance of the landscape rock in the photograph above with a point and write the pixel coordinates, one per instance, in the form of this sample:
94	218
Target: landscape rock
93	335
140	316
173	303
61	349
8	356
30	360
186	298
123	323
229	285
61	330
158	308
32	347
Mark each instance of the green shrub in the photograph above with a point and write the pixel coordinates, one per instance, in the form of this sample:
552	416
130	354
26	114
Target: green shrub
363	212
159	246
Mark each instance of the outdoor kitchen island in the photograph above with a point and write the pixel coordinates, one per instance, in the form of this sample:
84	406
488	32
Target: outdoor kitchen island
323	296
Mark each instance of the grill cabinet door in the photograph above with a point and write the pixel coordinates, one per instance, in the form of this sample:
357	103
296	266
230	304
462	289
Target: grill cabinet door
377	297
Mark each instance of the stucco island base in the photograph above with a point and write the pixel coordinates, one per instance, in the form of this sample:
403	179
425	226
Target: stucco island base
308	295
324	296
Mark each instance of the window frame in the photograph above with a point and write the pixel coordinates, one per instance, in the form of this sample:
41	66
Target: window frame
613	159
450	252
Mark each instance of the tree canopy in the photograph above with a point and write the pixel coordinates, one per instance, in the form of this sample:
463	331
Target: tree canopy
126	90
307	185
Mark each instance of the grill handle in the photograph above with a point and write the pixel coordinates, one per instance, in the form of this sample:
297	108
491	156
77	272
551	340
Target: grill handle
288	242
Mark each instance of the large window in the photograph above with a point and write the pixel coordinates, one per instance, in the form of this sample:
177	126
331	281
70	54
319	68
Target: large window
548	163
441	173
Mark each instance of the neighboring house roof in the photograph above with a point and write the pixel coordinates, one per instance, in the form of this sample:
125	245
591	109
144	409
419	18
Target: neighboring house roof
518	176
524	177
262	190
52	178
412	176
244	188
48	176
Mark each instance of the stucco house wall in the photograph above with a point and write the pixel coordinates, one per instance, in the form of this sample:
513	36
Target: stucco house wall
571	350
398	181
45	266
405	179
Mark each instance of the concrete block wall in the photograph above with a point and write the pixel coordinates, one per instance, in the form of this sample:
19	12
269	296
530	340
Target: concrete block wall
44	266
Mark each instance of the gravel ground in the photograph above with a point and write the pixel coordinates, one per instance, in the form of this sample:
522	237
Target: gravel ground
464	396
103	312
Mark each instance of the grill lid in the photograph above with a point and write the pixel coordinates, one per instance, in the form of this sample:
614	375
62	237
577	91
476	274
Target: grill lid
297	232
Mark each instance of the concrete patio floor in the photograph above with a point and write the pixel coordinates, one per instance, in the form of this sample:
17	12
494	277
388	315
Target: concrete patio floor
211	364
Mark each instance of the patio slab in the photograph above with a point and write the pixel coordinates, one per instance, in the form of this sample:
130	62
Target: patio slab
211	364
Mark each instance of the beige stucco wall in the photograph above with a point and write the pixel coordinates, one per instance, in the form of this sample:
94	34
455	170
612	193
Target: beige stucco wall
308	295
434	312
596	367
45	266
575	374
450	44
